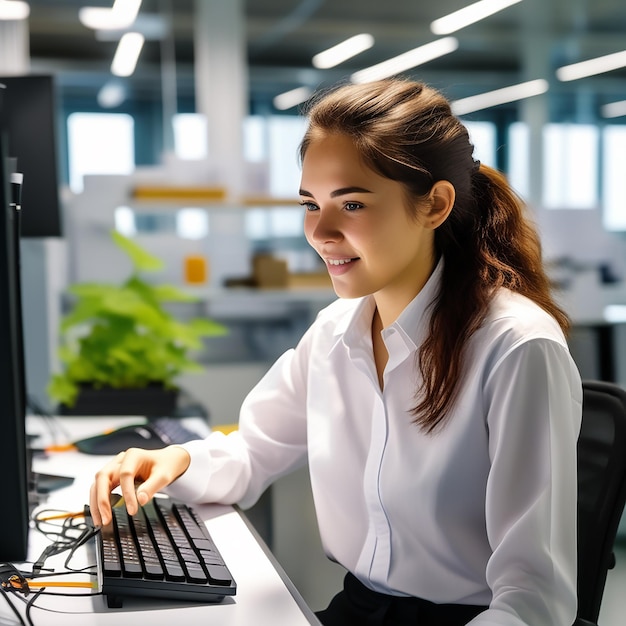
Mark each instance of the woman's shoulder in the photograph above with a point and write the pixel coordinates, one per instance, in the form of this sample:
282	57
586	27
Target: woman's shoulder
519	317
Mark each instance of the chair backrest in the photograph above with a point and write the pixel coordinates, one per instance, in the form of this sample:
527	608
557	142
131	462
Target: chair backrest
601	489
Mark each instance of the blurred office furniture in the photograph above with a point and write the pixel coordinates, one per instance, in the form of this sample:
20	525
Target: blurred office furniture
601	491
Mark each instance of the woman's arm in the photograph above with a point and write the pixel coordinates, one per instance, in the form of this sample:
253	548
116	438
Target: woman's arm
534	408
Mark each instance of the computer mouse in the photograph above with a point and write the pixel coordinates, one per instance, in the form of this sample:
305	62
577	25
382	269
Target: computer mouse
120	439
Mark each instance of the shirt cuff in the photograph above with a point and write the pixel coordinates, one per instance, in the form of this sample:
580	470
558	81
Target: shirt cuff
189	487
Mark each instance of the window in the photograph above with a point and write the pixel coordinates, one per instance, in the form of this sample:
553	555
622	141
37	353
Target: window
613	180
191	139
519	159
99	143
285	135
570	166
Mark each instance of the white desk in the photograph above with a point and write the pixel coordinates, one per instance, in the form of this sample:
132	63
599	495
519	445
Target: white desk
265	596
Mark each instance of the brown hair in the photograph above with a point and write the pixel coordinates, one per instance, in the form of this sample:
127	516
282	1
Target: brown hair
406	131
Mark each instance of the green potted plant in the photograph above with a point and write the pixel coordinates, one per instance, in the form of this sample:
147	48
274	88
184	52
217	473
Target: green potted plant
120	349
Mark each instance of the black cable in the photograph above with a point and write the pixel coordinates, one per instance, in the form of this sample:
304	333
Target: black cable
29	606
5	595
89	534
67	536
65	573
63	537
30	603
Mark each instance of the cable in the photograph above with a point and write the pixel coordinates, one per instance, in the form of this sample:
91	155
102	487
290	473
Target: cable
9	576
68	536
5	595
30	605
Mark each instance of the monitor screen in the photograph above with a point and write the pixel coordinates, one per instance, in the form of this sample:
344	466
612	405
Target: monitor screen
28	117
14	466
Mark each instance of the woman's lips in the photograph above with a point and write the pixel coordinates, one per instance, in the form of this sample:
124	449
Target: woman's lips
337	267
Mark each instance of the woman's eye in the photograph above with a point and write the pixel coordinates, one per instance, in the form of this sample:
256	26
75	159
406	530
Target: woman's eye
352	206
309	206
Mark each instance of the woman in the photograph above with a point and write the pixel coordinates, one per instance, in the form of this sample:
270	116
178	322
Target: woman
435	401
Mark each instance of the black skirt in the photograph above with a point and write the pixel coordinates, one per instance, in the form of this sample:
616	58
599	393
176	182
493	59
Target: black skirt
357	605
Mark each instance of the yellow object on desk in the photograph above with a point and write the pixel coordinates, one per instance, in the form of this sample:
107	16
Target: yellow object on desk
174	193
196	269
225	428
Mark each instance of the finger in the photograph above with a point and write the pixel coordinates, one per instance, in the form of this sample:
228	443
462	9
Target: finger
106	479
93	506
128	471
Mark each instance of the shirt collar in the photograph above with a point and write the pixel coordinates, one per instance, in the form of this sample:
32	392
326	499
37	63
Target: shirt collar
356	323
411	321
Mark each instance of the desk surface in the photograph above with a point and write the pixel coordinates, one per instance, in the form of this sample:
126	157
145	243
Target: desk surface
265	596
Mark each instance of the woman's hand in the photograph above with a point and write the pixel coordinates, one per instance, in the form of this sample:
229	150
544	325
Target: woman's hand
140	474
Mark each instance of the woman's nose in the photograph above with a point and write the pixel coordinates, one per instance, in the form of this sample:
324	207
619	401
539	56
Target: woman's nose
324	227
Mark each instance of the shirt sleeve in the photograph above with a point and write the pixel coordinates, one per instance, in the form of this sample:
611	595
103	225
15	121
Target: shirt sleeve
534	407
269	442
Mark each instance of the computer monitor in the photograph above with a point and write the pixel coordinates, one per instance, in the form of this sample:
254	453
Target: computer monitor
14	464
28	116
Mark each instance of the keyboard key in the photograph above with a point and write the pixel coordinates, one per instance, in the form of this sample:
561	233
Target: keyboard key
174	571
218	574
195	574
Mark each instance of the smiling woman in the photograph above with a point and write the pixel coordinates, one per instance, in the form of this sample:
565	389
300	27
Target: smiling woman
440	369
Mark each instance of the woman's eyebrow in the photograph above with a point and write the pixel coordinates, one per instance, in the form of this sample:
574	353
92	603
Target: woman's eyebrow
338	192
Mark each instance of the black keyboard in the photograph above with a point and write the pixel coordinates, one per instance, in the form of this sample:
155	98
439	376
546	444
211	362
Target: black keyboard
170	430
164	551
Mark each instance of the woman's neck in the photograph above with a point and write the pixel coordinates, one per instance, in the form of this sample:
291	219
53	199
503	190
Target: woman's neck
378	346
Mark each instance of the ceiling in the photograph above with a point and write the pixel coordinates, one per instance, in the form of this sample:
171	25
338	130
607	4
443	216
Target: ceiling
525	41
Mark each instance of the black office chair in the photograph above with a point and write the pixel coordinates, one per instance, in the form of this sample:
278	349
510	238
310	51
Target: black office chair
601	491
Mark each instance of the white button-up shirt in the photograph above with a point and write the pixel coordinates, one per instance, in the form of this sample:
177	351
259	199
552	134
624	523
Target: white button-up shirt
483	511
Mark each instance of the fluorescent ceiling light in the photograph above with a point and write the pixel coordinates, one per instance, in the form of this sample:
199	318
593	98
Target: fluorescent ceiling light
499	96
120	16
152	26
14	10
343	51
598	65
407	60
468	15
614	109
127	53
292	98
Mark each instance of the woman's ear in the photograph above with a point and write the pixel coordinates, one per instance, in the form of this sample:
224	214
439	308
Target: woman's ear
441	200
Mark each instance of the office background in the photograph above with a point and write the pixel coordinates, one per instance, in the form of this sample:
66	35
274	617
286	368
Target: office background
200	109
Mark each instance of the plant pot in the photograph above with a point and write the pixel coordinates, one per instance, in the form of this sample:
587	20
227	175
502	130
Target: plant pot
151	401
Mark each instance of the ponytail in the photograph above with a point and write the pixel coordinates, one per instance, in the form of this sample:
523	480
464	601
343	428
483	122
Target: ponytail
492	245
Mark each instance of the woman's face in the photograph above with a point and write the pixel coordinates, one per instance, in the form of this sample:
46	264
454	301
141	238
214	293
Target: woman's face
358	222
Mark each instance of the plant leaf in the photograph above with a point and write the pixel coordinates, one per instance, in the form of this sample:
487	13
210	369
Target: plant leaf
141	258
171	293
207	328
